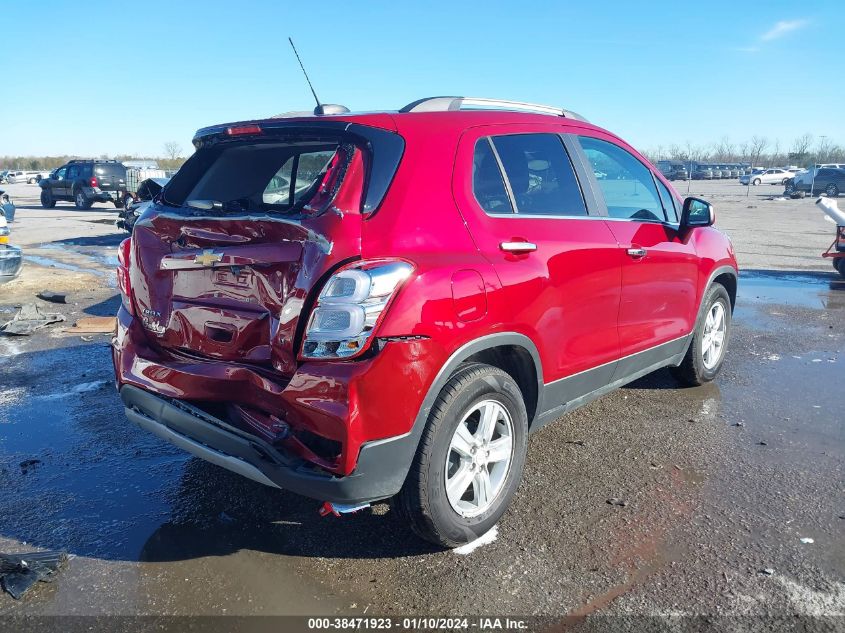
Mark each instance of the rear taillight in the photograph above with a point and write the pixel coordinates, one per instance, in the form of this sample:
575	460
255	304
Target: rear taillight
350	307
123	260
94	181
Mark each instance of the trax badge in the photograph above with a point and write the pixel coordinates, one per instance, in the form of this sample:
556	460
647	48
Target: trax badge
208	258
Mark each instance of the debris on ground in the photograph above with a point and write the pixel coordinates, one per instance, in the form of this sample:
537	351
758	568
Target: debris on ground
807	540
768	571
338	509
95	325
577	442
52	297
18	572
617	502
28	319
485	539
27	464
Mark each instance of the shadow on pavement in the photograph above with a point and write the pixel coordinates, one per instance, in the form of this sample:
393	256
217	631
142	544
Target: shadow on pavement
76	475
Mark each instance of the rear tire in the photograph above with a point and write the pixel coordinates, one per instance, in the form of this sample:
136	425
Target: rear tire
475	392
47	200
831	190
700	365
81	200
839	265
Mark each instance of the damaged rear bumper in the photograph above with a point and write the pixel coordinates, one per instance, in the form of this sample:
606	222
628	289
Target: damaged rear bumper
379	473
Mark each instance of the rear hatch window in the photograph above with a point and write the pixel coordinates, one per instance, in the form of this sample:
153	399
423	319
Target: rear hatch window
110	175
272	178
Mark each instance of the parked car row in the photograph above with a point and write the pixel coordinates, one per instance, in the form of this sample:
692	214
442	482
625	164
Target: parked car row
707	171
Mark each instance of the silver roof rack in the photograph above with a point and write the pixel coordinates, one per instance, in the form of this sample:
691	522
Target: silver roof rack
446	104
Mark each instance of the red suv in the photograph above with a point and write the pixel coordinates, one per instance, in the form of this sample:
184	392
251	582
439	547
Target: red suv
355	307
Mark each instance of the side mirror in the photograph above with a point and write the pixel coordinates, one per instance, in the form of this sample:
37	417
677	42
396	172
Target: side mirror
697	212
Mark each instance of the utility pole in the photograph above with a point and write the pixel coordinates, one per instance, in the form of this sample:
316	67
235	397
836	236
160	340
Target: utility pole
815	162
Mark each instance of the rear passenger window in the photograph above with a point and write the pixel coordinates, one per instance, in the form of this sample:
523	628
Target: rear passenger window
540	175
626	183
669	203
487	183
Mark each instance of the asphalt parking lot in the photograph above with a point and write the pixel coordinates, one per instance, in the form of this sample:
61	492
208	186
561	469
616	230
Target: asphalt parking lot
721	482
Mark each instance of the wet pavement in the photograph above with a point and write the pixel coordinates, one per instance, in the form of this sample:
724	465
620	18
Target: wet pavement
721	482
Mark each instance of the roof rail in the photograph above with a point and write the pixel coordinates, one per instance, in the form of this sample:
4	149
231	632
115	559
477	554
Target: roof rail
444	104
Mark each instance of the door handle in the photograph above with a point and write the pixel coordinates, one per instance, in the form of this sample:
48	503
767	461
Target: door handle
518	247
636	253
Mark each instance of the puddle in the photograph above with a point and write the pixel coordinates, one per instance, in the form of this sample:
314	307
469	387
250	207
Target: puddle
52	263
800	290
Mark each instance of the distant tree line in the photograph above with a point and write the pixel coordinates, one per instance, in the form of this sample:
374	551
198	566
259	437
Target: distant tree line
759	151
172	159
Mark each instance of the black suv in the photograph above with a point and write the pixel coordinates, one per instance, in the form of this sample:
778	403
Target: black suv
85	182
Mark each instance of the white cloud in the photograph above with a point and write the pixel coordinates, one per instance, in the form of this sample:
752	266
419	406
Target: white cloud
782	28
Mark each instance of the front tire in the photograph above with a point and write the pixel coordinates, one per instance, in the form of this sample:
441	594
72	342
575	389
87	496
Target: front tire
47	200
470	458
755	182
831	190
706	352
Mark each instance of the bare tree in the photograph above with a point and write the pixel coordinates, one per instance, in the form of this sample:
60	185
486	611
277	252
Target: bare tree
723	150
824	150
756	147
801	144
172	150
775	153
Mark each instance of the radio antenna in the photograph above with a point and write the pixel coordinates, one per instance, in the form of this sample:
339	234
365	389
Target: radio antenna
316	98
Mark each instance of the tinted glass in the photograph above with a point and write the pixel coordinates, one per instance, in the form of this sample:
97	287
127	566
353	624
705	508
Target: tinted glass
487	183
668	200
110	169
627	184
540	175
278	177
72	171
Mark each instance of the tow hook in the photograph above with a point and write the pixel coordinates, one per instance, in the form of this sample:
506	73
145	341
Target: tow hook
338	508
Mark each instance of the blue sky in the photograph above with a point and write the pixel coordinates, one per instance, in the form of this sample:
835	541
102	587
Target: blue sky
125	77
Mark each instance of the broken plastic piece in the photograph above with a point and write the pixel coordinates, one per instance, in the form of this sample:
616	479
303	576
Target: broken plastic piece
29	319
338	508
52	297
18	572
95	325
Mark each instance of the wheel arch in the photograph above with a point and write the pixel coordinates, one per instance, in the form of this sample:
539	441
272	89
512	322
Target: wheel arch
725	276
492	349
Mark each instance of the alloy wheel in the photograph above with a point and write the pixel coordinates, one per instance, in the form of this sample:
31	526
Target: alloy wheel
479	458
713	341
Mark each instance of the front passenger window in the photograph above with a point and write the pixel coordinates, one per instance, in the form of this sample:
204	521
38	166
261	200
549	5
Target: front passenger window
626	183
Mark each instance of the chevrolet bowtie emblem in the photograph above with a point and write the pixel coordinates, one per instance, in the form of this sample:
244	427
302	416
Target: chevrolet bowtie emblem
208	258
